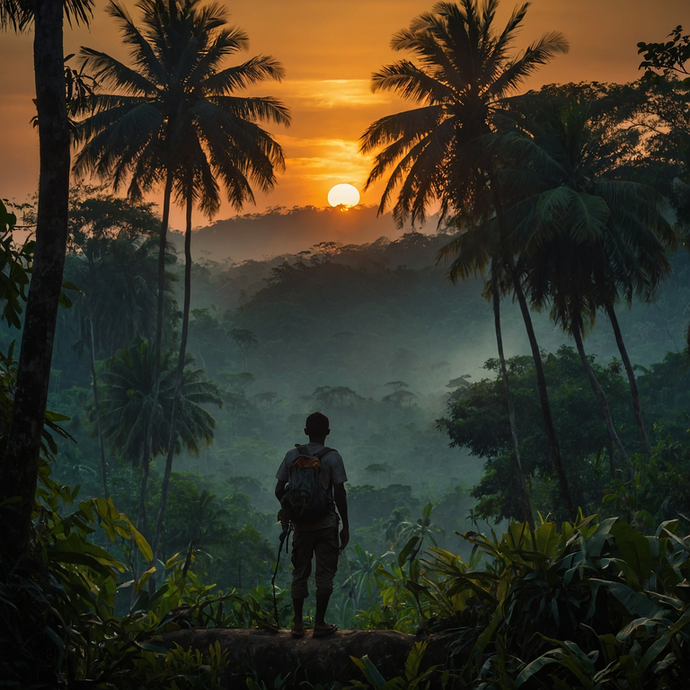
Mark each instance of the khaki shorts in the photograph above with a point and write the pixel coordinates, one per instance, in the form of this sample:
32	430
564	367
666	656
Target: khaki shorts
322	543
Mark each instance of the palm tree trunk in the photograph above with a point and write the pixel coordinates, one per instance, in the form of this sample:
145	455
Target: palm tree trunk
601	396
178	381
162	243
141	510
104	467
524	497
554	447
544	398
19	471
634	390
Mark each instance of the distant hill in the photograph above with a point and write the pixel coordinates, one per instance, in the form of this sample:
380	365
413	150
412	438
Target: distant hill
260	236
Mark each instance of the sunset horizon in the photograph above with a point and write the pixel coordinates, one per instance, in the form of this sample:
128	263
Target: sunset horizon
327	83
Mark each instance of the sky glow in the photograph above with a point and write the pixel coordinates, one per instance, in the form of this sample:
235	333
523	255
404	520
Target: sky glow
329	56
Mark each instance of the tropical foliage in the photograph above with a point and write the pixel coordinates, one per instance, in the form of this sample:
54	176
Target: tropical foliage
555	198
593	604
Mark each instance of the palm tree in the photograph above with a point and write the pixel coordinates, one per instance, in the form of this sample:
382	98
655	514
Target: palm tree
437	151
588	236
19	470
471	250
117	301
114	265
567	273
128	403
176	118
245	341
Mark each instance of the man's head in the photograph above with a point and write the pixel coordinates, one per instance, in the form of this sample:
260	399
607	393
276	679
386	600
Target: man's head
317	426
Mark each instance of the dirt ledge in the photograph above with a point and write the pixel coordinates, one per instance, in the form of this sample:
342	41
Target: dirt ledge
320	661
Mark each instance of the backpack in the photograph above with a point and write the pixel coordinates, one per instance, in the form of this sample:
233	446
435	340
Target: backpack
306	500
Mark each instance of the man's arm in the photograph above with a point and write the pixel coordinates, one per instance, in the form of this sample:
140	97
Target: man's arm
280	489
340	498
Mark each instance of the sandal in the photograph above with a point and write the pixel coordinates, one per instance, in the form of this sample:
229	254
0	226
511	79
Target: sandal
322	632
297	633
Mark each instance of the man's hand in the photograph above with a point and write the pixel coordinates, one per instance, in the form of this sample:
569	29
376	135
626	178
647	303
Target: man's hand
344	537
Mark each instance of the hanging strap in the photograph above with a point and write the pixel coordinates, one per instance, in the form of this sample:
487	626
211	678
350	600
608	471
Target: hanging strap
284	538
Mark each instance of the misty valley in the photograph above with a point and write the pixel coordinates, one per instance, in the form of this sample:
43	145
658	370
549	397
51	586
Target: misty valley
399	357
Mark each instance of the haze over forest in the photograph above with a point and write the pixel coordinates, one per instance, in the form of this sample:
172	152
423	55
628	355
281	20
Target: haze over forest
282	230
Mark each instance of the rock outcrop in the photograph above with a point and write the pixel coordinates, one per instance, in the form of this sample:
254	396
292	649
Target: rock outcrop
268	655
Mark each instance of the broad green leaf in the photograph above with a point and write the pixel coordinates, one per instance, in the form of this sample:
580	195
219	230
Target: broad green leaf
83	559
547	539
535	666
595	542
407	550
488	633
636	603
145	576
56	639
414	659
635	549
143	545
371	673
658	646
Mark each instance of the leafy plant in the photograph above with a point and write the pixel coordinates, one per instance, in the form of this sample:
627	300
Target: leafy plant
414	677
60	625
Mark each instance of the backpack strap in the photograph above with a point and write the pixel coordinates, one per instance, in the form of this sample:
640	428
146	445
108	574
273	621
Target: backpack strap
303	450
303	461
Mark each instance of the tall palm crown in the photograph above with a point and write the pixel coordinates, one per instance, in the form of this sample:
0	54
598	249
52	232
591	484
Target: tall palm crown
19	14
119	296
177	101
587	236
465	72
126	403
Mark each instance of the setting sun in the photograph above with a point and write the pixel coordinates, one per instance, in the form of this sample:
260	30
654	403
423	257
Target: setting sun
343	194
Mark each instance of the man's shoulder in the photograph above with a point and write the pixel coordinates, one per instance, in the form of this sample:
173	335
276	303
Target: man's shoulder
332	455
336	467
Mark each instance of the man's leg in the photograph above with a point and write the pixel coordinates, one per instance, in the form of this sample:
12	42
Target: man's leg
326	550
302	551
322	599
298	622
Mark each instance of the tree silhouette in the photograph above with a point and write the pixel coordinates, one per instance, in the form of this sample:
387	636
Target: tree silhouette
436	151
668	57
397	385
128	403
198	135
19	470
245	340
400	398
589	237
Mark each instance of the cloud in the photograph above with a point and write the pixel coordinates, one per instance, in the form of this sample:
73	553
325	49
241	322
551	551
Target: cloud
329	93
319	159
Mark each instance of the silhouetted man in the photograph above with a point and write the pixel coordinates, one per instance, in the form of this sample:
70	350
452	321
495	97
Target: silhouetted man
318	538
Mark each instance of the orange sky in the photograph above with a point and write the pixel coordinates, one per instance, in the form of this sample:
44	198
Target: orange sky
329	50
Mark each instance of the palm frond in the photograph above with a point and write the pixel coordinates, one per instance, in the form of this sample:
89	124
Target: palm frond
536	55
254	109
409	81
249	73
409	125
141	50
17	15
111	72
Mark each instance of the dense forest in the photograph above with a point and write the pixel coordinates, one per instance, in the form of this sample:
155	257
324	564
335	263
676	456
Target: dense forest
509	389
